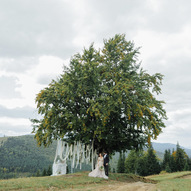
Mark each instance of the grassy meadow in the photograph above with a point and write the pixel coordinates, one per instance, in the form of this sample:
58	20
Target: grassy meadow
178	181
80	181
77	181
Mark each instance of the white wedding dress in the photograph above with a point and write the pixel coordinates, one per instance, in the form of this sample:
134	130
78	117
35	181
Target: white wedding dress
99	170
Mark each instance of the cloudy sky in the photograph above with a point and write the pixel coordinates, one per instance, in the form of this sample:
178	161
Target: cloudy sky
38	37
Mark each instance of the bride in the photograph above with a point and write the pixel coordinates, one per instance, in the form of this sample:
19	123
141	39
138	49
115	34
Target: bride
99	170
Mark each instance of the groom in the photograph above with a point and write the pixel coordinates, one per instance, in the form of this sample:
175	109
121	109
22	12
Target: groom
106	162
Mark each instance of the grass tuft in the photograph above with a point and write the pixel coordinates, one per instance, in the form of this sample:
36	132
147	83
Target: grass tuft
78	181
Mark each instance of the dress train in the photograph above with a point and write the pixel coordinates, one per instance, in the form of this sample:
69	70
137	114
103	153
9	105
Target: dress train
99	170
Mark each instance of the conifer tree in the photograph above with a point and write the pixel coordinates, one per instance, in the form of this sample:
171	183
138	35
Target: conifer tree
172	161
49	171
142	166
186	166
38	173
180	158
132	161
167	168
166	164
121	163
44	173
152	163
189	163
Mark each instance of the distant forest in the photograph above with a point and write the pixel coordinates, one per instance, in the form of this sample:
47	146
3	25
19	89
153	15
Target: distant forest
21	157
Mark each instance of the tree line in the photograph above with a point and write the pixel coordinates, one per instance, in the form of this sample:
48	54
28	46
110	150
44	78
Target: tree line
20	156
146	163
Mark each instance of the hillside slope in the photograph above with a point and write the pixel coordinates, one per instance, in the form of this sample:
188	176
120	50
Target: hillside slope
22	155
79	181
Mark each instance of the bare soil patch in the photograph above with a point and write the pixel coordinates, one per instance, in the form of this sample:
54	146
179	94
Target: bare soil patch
187	177
122	186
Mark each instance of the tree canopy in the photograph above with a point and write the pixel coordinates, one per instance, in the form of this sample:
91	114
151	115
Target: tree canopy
104	97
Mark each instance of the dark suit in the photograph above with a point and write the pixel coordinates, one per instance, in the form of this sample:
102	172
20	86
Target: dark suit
106	161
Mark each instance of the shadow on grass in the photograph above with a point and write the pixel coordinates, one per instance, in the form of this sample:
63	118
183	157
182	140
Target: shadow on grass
130	178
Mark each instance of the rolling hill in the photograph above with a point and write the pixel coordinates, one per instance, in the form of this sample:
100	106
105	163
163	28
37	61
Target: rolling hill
161	147
20	156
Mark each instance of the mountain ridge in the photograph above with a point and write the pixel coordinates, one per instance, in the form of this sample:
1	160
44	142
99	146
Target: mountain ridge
20	154
161	147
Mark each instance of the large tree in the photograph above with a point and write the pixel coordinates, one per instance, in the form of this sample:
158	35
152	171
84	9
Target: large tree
104	97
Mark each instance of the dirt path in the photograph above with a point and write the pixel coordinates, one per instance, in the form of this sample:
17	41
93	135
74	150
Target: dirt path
187	177
136	186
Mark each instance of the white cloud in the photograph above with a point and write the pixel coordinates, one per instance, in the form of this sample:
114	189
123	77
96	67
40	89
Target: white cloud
13	122
48	68
15	131
14	127
31	28
38	38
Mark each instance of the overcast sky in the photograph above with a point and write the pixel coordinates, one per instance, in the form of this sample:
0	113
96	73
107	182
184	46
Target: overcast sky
38	37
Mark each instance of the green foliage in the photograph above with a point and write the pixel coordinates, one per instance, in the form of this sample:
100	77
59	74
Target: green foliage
20	156
103	97
180	158
152	163
38	173
85	167
44	173
186	166
142	166
176	161
167	161
142	163
167	168
74	182
169	164
121	163
132	161
188	162
173	181
49	171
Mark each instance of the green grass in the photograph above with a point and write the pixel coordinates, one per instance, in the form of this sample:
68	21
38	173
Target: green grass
122	177
81	181
175	185
77	181
44	183
168	176
172	181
